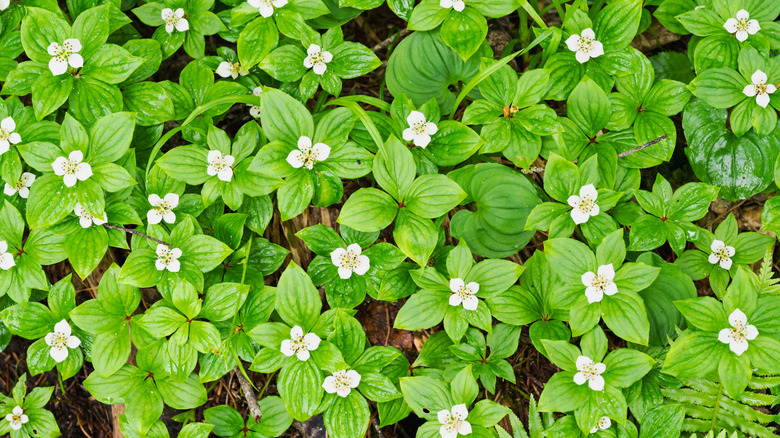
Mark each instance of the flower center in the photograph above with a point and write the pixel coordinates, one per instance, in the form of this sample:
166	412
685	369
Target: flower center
760	88
453	423
85	214
343	381
317	58
600	282
167	257
419	128
509	111
172	20
585	44
219	164
19	185
70	167
163	207
63	52
463	293
587	204
4	134
742	25
589	371
298	344
738	332
349	260
309	159
59	341
722	254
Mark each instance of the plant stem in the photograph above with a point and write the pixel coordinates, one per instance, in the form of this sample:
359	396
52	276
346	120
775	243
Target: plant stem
138	233
249	395
642	146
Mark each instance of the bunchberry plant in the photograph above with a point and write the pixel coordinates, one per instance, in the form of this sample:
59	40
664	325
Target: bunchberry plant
238	217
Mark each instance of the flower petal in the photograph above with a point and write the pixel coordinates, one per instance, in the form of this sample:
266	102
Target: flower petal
758	77
596	383
443	416
287	348
580	378
737	317
8	124
588	33
607	271
363	265
321	152
296	332
750	90
329	385
62	328
312	341
471	302
594	295
738	346
742	14
460	411
731	25
58	354
455	300
573	42
762	100
582	362
457	284
578	216
588	278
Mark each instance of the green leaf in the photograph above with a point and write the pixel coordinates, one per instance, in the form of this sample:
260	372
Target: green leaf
431	196
464	31
589	107
347	416
625	314
426	396
719	87
625	366
300	386
284	118
297	300
415	236
256	41
368	210
717	155
422	310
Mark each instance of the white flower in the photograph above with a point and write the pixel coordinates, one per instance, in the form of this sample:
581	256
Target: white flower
6	258
86	219
758	88
231	69
175	20
603	424
266	7
317	58
300	345
584	206
4	4
220	166
162	208
60	340
341	382
167	258
17	417
742	26
585	45
419	130
349	260
308	155
738	336
599	284
721	254
463	293
7	134
453	422
71	169
590	372
458	5
64	55
254	110
22	186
